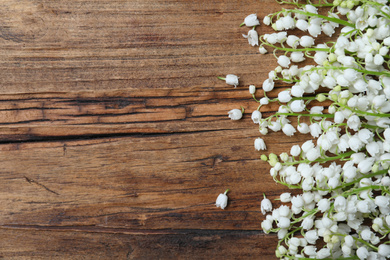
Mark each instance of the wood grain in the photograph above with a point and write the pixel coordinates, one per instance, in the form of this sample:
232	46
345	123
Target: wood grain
114	135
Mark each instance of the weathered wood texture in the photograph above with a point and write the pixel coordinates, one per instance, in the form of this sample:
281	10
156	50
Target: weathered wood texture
114	136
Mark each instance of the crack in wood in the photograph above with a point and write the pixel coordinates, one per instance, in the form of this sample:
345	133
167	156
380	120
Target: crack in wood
31	181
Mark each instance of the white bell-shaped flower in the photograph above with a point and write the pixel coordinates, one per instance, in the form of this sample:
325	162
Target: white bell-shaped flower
251	20
222	200
235	114
260	144
266	205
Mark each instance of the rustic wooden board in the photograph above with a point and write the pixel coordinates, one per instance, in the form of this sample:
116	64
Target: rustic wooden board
114	135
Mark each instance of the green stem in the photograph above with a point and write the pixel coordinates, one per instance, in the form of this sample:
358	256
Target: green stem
341	156
330	19
311	115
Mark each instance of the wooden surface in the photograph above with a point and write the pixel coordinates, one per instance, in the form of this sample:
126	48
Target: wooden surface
114	135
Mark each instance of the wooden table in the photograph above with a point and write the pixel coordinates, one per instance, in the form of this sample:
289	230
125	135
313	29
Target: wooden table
115	140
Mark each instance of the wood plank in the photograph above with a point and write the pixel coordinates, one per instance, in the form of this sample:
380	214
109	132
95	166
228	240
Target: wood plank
152	181
36	116
62	46
127	244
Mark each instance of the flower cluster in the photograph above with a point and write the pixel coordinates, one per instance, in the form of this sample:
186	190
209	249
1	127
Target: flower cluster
342	102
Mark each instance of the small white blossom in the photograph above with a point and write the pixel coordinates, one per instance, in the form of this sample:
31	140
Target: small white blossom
222	200
235	114
295	150
256	116
306	41
267	20
262	50
268	85
384	250
253	37
284	96
251	20
285	197
284	61
259	144
252	89
266	205
323	253
302	25
232	80
288	130
362	252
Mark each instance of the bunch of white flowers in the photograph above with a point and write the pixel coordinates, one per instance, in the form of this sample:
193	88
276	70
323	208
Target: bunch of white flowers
342	101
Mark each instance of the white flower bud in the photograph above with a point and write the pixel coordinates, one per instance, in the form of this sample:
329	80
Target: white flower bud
266	205
385	181
282	233
363	206
222	200
323	253
313	154
284	96
266	225
268	85
349	241
283	61
251	20
378	59
314	29
328	29
362	252
292	41
382	201
306	41
297	56
259	144
366	165
384	250
307	223
284	222
253	37
303	128
256	116
235	114
302	25
354	123
297	106
323	205
285	197
297	201
311	236
232	80
358	157
288	130
310	250
274	126
315	130
262	50
252	89
267	20
295	150
366	234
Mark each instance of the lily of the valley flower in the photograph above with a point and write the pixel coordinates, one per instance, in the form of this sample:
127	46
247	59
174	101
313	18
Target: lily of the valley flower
266	205
236	114
230	79
251	20
222	200
259	144
253	37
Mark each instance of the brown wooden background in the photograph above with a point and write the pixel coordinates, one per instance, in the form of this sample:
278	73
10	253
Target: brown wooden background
114	135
